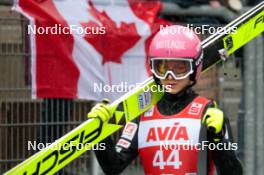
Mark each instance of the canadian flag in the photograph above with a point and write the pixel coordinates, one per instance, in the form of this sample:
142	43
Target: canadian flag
81	48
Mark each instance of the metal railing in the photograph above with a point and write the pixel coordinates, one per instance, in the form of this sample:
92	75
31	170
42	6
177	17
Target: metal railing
203	10
253	107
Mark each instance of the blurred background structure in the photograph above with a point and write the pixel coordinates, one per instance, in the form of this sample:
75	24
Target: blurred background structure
237	85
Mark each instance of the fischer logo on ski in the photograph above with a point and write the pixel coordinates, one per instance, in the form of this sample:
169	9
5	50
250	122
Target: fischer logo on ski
259	20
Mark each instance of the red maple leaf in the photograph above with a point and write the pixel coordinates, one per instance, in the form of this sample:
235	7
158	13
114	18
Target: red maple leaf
116	41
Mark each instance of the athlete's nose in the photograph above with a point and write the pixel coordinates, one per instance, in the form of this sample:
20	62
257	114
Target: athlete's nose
170	77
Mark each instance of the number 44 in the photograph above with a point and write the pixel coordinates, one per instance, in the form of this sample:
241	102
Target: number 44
172	160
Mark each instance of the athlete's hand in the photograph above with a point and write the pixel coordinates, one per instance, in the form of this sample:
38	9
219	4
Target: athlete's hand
214	120
101	110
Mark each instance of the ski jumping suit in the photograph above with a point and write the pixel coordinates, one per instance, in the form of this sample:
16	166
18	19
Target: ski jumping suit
174	121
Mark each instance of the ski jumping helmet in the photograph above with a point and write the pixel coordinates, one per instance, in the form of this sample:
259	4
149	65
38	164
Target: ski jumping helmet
176	50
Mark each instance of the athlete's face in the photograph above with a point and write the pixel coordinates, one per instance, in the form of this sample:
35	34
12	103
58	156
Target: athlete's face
174	86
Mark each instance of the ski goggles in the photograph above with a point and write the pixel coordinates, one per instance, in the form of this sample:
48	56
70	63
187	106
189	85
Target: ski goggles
178	68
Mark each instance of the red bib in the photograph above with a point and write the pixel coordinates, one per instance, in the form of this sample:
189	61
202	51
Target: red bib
166	143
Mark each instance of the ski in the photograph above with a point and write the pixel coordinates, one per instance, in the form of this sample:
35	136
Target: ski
67	148
64	150
219	46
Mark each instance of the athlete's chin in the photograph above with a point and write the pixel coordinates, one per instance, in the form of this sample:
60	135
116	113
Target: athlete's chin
174	91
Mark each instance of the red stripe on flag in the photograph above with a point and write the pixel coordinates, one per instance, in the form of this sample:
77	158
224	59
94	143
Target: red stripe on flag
56	73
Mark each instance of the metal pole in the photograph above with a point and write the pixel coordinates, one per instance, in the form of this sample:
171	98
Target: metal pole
259	105
249	130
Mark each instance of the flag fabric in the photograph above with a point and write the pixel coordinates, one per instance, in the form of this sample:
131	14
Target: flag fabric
88	49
